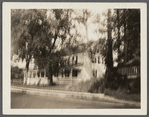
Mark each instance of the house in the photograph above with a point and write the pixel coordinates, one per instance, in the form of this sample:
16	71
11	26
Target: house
80	67
98	65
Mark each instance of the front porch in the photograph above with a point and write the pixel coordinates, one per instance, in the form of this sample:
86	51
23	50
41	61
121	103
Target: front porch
35	77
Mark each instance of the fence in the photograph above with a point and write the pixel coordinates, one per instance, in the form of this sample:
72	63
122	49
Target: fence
131	72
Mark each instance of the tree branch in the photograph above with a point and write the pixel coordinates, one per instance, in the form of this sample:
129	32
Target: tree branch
55	37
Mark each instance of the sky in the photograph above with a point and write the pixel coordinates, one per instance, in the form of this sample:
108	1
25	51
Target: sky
92	35
92	27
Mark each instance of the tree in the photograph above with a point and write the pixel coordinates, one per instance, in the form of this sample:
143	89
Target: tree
105	31
82	18
48	51
25	30
39	34
127	24
109	56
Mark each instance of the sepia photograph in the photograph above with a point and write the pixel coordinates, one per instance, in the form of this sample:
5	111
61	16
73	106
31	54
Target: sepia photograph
71	57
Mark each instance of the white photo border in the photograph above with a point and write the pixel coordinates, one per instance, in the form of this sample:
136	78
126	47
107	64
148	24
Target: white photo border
6	46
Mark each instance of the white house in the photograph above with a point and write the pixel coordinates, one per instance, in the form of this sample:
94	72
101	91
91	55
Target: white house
80	67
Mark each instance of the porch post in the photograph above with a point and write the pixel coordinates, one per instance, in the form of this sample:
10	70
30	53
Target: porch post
40	74
64	73
71	74
24	77
44	73
36	74
32	74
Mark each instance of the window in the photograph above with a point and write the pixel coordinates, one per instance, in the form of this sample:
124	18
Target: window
42	74
68	60
38	73
98	59
34	75
74	72
67	73
102	60
92	60
95	73
72	59
76	60
62	73
65	63
47	74
56	74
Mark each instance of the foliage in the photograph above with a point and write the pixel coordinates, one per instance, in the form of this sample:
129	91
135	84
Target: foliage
122	94
16	73
125	25
98	86
82	86
39	34
82	17
136	86
114	80
16	70
25	29
129	24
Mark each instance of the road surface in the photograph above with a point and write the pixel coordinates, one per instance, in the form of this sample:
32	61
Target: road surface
26	101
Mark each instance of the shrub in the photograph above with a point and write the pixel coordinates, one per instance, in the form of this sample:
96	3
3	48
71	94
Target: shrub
12	75
16	73
20	76
122	94
114	80
81	86
17	81
135	88
98	86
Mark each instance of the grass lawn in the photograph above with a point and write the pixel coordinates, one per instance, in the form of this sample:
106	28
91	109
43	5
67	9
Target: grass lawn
53	87
122	95
84	87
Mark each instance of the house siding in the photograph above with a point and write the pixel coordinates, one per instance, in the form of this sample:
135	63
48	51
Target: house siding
84	66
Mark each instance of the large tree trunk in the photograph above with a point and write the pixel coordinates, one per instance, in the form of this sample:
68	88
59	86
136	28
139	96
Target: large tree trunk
109	56
27	71
27	65
109	53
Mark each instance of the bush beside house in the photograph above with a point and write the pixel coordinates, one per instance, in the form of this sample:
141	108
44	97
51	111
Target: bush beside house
118	86
16	75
